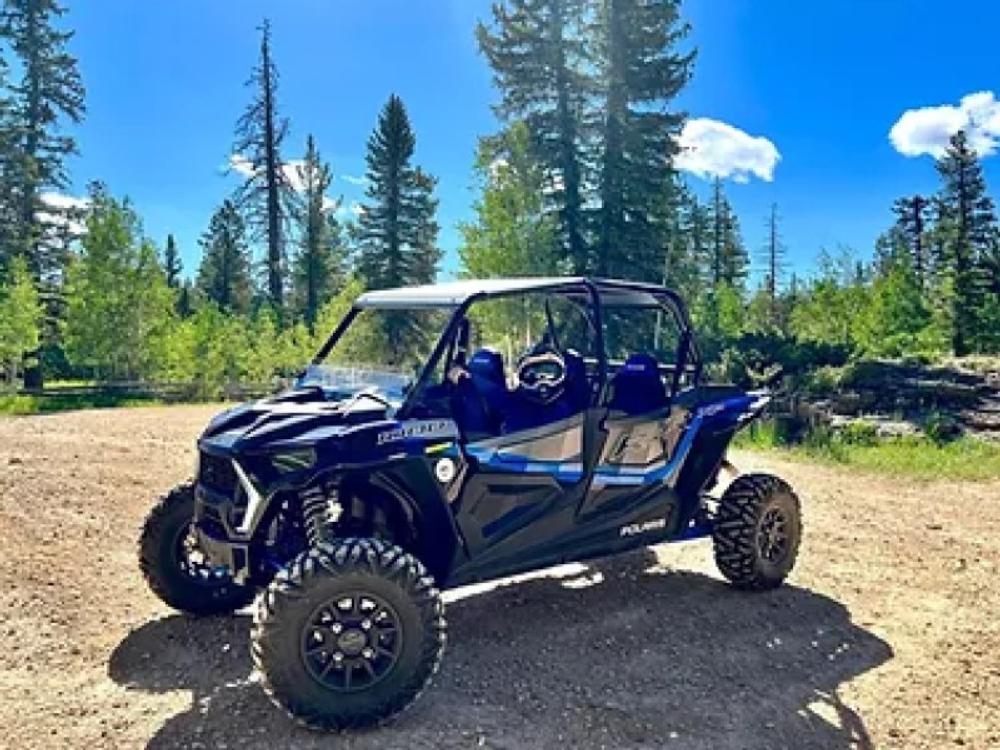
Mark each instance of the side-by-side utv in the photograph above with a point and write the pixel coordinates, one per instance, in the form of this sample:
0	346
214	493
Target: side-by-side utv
552	420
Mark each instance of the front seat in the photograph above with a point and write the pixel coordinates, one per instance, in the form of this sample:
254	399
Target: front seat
637	387
482	398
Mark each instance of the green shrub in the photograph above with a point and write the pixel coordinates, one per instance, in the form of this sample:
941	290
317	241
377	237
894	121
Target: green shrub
760	434
858	433
942	428
822	381
823	442
910	456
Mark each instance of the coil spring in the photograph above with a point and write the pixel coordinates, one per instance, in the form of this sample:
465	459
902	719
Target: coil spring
316	506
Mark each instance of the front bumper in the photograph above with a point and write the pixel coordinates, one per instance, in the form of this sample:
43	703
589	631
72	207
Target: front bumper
215	521
223	553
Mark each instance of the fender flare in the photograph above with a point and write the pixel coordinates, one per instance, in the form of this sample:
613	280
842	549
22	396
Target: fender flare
427	511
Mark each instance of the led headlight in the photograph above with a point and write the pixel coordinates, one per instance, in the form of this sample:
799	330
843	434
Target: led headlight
293	460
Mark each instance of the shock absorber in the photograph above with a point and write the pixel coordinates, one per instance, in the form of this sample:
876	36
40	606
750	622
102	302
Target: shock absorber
320	511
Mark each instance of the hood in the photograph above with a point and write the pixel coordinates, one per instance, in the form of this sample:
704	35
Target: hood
297	418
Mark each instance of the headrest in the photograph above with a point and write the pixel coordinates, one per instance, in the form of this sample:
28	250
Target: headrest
638	387
640	363
487	363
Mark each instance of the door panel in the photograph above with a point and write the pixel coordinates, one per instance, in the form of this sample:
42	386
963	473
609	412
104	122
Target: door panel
635	463
516	479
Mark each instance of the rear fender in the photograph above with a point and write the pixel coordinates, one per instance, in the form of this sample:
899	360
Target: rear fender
716	422
734	413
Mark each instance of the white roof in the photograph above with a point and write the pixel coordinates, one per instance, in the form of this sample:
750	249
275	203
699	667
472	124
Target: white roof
454	293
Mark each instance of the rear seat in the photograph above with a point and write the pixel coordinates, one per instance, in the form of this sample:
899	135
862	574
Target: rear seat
637	387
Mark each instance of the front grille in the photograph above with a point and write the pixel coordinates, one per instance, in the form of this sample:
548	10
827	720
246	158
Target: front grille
217	473
212	525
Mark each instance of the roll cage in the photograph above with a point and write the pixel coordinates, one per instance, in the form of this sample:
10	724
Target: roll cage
591	296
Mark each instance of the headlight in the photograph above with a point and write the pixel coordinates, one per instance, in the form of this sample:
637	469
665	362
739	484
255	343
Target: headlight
286	463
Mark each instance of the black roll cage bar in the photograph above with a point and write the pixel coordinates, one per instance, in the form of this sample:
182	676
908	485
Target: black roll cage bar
667	300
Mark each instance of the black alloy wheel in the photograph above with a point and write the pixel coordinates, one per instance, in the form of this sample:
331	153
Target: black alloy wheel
352	641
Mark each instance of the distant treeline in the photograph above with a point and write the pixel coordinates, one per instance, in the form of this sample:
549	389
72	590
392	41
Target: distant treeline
580	179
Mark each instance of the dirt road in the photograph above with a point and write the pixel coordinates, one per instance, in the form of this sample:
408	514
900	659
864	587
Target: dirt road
887	636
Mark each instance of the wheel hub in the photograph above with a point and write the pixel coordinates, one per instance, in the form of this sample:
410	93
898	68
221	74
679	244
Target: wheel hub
351	642
772	536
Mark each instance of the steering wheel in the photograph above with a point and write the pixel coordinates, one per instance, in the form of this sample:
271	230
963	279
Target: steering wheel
541	375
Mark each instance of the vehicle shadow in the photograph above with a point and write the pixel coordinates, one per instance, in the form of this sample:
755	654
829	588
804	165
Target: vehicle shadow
622	654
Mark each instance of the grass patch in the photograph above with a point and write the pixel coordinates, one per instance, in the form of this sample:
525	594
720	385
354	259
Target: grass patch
915	457
13	404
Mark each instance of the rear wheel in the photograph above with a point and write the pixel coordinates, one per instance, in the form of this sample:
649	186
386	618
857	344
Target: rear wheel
349	634
757	531
175	567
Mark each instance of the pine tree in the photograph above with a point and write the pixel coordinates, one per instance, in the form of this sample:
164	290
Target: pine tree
729	257
397	231
696	226
185	299
224	275
425	228
8	161
774	259
49	91
719	218
266	194
968	221
172	265
911	223
682	239
541	68
318	265
640	72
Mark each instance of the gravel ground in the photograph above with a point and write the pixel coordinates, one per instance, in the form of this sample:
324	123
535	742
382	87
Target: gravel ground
888	634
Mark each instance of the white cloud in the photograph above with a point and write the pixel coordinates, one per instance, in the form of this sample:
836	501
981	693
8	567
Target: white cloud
63	202
926	130
295	174
241	165
710	148
62	214
293	170
352	210
354	180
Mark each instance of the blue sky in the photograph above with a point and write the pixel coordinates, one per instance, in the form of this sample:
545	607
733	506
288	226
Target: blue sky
821	84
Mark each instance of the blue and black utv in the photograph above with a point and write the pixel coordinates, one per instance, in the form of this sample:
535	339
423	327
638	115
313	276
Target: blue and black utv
553	420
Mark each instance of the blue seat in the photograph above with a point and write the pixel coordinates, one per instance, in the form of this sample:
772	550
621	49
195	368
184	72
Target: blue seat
637	387
482	399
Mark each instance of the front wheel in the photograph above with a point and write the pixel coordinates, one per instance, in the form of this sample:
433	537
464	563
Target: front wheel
176	569
757	531
348	634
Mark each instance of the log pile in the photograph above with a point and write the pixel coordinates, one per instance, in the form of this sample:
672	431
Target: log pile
902	398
